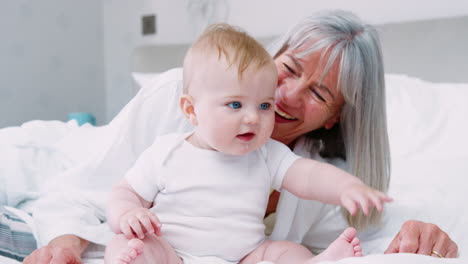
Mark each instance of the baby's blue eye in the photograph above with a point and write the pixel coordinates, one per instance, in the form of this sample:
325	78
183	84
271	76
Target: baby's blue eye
265	106
235	105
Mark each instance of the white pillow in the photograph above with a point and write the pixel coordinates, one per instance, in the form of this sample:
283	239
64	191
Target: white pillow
427	119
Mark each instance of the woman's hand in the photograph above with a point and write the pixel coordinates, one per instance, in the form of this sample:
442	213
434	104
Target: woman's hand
359	195
138	222
423	238
65	249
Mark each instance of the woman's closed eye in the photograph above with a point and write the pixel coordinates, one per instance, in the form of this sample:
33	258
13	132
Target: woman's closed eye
289	69
235	105
317	94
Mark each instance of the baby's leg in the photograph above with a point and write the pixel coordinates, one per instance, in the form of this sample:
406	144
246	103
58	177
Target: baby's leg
152	249
345	246
279	252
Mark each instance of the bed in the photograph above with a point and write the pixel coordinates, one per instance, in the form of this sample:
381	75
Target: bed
427	90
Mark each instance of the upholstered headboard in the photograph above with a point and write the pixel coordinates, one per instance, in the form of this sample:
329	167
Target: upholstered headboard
434	50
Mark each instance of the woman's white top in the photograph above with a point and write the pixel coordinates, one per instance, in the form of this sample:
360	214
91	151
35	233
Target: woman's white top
75	202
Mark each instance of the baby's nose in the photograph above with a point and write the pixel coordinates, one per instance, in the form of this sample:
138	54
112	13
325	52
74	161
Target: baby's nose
251	117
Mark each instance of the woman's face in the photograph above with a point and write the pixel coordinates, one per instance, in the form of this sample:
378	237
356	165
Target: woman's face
302	105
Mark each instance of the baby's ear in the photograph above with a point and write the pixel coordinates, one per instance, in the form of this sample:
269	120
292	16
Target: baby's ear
188	108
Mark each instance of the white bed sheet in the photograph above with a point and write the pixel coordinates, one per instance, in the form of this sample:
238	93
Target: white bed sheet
371	259
429	147
36	152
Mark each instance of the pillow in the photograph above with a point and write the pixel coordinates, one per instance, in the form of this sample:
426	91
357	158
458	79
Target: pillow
426	119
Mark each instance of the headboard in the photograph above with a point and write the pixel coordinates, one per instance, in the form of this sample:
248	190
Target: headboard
161	57
434	50
158	58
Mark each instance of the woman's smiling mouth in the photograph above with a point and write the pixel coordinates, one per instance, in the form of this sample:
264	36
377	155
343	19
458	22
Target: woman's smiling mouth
283	114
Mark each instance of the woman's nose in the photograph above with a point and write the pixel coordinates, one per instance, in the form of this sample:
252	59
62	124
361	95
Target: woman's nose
290	94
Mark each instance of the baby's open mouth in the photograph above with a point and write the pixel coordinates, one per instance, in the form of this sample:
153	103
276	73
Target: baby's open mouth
246	136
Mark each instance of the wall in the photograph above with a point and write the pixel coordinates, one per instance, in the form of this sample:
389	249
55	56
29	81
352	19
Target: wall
279	15
52	60
122	33
59	56
261	18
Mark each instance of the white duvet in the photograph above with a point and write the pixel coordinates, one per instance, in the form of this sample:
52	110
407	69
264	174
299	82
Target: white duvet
428	131
34	153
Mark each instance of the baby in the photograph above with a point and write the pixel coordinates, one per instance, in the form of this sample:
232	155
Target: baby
200	197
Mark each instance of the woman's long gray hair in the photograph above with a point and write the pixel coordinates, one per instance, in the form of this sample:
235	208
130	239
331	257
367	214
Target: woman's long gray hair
361	137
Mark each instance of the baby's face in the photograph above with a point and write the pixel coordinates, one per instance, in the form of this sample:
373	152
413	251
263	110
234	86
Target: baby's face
234	116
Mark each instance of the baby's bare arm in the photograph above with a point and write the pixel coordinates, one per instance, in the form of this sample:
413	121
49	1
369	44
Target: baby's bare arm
313	180
122	200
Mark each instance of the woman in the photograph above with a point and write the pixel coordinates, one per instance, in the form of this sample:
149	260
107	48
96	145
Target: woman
330	104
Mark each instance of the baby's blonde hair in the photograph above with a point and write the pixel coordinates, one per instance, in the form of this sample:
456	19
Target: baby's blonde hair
237	47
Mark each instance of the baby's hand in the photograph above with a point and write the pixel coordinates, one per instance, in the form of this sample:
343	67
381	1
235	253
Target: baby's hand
138	222
360	195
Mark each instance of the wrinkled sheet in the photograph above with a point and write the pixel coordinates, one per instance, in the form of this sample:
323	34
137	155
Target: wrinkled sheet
37	152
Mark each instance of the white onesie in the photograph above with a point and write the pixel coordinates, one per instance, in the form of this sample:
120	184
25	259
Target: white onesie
210	204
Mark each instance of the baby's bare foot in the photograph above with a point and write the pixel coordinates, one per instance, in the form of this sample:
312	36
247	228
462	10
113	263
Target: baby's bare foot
135	248
345	246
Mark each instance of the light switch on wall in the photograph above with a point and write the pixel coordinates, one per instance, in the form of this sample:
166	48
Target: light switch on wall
148	24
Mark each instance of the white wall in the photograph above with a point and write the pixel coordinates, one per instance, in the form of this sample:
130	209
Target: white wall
59	56
51	60
259	17
279	15
122	33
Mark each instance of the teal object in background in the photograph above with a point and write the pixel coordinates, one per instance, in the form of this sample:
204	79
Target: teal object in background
82	118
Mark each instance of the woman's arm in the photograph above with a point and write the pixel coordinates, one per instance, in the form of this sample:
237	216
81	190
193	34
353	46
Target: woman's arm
154	111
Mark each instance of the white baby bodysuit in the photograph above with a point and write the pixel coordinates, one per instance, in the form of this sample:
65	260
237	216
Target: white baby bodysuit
209	203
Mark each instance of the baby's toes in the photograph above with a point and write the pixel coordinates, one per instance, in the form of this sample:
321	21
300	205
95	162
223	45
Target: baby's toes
132	253
137	245
349	234
357	250
123	259
355	241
